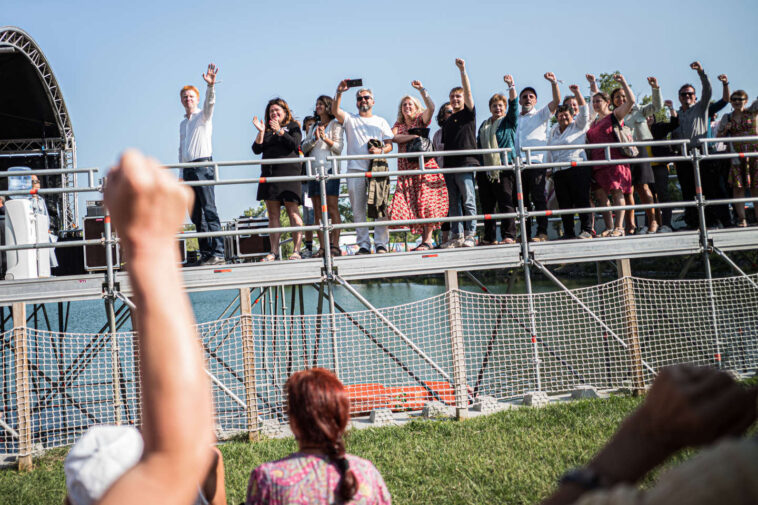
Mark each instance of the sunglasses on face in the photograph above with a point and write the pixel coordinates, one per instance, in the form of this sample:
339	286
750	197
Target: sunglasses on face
738	99
364	97
687	93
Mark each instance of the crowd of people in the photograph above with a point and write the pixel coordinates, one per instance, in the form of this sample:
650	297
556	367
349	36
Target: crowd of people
172	458
517	123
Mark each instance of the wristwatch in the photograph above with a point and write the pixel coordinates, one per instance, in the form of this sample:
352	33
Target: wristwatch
584	477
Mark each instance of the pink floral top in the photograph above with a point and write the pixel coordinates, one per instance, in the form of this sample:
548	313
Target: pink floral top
309	478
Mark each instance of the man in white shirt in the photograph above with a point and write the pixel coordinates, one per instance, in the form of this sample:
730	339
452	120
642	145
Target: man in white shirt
532	131
572	183
195	146
359	129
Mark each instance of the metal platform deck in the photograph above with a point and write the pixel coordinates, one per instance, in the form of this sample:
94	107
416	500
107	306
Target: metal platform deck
350	268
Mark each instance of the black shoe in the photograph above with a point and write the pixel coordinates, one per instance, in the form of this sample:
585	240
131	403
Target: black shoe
362	251
381	250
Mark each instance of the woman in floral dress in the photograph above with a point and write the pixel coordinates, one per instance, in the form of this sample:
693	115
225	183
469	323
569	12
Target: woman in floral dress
320	472
741	122
417	196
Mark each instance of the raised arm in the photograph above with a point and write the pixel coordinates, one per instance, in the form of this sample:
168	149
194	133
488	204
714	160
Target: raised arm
429	112
556	92
593	84
511	116
725	94
337	112
583	117
657	103
468	98
623	110
261	127
148	208
210	94
705	98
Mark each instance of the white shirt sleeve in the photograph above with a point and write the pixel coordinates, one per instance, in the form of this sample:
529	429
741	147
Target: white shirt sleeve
386	130
210	101
544	114
583	118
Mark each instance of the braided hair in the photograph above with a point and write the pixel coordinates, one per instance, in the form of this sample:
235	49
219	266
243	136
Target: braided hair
320	409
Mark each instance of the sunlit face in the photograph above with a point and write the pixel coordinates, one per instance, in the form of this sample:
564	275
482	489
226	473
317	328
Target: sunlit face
497	108
619	98
573	105
189	99
564	118
527	100
409	109
320	108
365	101
276	113
599	105
687	97
456	101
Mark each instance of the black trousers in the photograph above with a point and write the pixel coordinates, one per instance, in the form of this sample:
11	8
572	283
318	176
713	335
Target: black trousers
572	189
204	215
661	191
500	194
686	175
533	183
715	188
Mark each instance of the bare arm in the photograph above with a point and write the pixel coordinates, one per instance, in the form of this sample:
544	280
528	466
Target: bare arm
686	407
623	110
429	112
468	98
556	92
337	112
148	207
725	93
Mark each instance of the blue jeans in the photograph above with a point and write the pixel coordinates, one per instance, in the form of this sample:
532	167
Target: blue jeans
204	215
461	197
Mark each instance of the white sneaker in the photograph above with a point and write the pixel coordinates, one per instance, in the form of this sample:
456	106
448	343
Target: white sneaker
469	242
664	229
452	243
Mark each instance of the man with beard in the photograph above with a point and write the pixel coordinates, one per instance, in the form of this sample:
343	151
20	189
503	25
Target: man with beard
359	129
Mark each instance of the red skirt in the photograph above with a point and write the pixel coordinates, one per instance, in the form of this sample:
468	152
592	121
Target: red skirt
419	196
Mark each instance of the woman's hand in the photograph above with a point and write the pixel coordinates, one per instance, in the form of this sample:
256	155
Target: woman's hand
723	78
574	88
260	125
551	77
417	85
320	133
274	124
590	78
508	79
653	82
619	78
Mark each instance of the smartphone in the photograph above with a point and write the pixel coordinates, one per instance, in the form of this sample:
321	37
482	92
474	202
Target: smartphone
354	83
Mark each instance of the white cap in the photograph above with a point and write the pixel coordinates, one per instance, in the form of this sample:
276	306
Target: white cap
102	455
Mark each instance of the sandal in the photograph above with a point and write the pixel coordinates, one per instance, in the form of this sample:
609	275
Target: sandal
507	240
742	223
617	232
269	257
295	256
488	242
336	251
607	233
319	254
423	246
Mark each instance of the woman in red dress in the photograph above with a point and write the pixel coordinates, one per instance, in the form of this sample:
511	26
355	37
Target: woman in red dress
417	196
614	180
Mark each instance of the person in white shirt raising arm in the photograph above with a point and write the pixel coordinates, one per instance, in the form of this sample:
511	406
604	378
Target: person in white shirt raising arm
572	183
195	146
532	131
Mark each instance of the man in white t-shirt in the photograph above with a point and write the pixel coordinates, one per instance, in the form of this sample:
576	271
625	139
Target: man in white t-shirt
532	131
359	129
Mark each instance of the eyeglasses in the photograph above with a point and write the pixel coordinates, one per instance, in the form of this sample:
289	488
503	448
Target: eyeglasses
687	93
738	99
364	97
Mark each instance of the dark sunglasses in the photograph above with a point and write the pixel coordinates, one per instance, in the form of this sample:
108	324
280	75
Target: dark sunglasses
364	97
687	93
738	99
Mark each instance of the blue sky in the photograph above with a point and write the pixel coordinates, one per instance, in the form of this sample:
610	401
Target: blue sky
121	64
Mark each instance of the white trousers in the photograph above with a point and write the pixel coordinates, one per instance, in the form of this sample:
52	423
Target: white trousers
357	189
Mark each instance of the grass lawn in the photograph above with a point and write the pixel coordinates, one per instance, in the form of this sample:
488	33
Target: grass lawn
511	457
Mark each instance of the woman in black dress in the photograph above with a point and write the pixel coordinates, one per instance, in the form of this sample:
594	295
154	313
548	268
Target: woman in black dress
279	137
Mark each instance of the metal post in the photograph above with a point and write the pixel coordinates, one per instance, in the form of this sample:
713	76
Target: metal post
630	310
706	247
525	257
23	392
248	358
456	344
109	301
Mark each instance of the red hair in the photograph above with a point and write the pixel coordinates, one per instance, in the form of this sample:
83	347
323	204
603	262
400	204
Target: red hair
190	88
320	410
